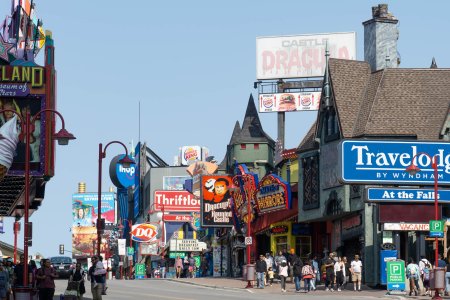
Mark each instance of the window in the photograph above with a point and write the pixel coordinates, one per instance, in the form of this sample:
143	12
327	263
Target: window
310	182
281	242
255	146
243	146
303	246
331	125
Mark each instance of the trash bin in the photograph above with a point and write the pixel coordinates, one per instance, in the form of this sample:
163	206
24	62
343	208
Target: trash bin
250	272
437	278
24	293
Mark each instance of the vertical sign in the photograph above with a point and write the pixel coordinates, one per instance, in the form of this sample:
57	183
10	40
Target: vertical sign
395	275
122	246
139	271
437	228
137	180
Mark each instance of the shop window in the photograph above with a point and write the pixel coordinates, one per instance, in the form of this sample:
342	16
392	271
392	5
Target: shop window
310	182
255	146
303	246
281	244
243	146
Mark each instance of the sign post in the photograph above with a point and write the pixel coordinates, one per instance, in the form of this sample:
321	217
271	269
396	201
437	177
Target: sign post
139	271
395	275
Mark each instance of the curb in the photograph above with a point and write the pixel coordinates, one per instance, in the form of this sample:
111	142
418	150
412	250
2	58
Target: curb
206	285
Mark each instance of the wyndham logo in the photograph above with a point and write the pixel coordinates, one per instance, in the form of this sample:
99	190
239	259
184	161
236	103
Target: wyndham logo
376	162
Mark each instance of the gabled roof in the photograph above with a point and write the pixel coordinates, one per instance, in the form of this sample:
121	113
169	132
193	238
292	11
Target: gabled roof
252	131
388	102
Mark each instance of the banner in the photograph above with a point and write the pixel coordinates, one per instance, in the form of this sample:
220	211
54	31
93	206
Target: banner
216	201
289	102
246	184
273	194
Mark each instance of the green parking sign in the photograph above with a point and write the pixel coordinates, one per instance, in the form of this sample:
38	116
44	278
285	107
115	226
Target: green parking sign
436	226
139	271
395	275
130	251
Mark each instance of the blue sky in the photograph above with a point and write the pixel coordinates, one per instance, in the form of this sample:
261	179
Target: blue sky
191	65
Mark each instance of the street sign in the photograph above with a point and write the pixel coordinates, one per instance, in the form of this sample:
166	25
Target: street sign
139	271
175	254
401	195
395	275
248	240
385	162
130	251
436	228
436	235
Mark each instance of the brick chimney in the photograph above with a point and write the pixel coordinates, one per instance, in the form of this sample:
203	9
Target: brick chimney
380	39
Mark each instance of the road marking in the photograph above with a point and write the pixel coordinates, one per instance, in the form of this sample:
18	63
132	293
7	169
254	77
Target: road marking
250	291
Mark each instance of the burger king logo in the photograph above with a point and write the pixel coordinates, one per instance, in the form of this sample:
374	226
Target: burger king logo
190	154
267	102
144	233
306	100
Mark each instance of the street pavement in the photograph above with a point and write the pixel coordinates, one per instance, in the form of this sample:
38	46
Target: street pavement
205	288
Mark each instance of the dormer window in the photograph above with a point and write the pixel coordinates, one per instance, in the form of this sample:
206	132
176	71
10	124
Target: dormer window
243	146
331	125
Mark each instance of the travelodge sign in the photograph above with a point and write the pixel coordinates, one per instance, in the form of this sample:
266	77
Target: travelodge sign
385	162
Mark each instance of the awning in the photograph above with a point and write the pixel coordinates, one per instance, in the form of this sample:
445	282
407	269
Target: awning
263	222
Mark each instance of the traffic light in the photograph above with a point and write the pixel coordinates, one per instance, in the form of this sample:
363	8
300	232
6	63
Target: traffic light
61	249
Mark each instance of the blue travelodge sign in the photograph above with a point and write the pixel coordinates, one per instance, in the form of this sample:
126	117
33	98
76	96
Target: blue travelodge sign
385	162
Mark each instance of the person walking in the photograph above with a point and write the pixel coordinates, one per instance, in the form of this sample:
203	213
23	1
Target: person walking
96	279
269	263
346	272
5	288
191	268
308	276
426	278
297	273
356	270
46	277
78	275
261	269
339	269
178	267
283	273
412	274
315	266
292	259
329	271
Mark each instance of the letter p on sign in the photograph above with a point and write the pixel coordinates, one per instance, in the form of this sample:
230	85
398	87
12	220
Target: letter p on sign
395	269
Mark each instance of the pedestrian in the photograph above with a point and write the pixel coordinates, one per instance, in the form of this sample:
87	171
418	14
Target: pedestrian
96	284
339	272
315	266
297	273
356	270
204	266
18	272
78	275
261	269
308	276
292	259
46	277
5	288
100	273
163	263
191	267
283	273
412	274
426	278
329	271
271	275
346	272
178	266
269	263
148	269
447	280
186	267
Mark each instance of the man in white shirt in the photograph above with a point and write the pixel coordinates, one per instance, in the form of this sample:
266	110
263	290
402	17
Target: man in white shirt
356	269
422	263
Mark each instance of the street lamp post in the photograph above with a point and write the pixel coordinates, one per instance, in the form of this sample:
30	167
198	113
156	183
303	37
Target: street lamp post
130	225
413	170
16	232
126	162
63	137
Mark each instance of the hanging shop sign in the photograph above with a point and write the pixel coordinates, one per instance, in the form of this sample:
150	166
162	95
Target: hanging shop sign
175	201
385	162
246	184
216	201
273	194
280	229
406	195
282	102
177	218
144	233
188	245
148	249
121	177
177	254
406	226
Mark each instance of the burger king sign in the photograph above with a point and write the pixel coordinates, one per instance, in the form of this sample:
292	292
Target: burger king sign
190	154
144	233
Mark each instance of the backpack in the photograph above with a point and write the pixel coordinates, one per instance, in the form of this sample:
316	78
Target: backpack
426	273
283	263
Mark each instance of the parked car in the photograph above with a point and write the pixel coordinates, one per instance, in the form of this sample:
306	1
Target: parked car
63	265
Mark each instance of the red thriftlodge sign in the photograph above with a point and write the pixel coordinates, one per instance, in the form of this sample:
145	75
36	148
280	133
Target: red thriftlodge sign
181	201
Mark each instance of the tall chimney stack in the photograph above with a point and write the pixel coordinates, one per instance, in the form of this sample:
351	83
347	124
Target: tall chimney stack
380	39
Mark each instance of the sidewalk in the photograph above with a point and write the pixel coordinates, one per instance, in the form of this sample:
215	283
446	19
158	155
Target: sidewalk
239	284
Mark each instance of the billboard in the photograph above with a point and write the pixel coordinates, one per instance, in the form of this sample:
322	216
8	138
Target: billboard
176	201
216	201
174	183
300	55
85	207
405	195
280	102
25	89
385	162
243	196
84	241
273	194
